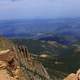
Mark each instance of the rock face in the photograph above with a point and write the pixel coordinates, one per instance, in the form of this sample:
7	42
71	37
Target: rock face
73	76
16	63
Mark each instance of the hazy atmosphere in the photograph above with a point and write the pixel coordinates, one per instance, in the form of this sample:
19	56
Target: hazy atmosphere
28	9
43	40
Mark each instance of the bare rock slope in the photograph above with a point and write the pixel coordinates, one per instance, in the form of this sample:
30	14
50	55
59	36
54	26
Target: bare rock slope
73	76
16	63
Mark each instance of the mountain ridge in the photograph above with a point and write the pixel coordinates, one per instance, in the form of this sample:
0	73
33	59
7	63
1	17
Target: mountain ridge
17	63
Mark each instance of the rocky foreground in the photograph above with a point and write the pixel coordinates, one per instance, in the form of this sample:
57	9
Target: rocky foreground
73	76
16	63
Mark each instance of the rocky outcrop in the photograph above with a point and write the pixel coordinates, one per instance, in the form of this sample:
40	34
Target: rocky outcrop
73	76
34	69
16	63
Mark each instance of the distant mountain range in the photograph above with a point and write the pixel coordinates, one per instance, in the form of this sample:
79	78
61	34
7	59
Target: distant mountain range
43	29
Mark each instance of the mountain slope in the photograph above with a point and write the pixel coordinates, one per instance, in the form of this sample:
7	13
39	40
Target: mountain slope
18	64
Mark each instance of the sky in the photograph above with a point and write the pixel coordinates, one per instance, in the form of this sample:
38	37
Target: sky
34	9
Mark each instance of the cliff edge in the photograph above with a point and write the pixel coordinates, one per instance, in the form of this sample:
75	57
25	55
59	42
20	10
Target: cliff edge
16	63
